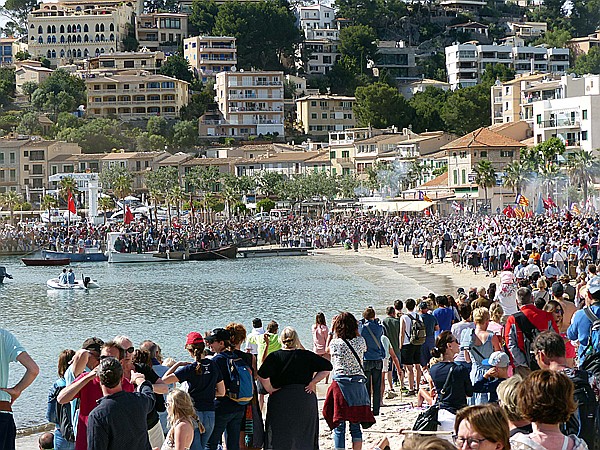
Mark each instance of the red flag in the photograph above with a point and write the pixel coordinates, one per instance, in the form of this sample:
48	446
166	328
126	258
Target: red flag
405	218
128	216
71	204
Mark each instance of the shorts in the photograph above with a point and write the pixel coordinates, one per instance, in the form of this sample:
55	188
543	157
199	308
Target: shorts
426	353
411	354
386	364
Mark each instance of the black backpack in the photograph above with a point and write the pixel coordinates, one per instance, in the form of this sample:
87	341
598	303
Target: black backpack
585	422
60	414
529	333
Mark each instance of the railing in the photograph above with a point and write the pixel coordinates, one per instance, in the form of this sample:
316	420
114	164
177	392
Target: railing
572	143
242	96
256	83
497	99
554	123
243	109
212	58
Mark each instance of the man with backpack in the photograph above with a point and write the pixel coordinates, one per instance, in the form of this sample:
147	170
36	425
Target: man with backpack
413	335
239	385
522	328
583	325
372	330
549	348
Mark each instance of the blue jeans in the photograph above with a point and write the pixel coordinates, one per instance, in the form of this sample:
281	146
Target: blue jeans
231	423
60	443
373	374
8	431
207	418
339	435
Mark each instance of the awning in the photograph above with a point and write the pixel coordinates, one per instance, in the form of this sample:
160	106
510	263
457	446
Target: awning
410	206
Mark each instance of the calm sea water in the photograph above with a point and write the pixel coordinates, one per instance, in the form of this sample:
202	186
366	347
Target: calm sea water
165	301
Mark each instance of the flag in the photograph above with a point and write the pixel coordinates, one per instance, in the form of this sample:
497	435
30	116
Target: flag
575	209
521	200
509	211
519	212
551	202
71	204
405	218
456	206
427	199
128	216
427	212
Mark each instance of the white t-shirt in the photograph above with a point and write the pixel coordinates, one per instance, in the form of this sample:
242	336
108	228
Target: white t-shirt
407	326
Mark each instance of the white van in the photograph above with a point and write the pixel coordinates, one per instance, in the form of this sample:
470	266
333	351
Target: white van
278	214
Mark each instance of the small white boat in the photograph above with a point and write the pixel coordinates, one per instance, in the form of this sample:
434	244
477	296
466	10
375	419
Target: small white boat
86	284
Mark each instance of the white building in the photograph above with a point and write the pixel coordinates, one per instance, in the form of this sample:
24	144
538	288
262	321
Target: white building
209	55
315	17
466	63
573	117
65	33
250	104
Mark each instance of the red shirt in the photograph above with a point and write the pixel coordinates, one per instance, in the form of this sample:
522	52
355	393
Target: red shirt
88	399
538	318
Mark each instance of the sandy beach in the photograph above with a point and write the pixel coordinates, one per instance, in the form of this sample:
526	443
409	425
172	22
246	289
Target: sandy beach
396	414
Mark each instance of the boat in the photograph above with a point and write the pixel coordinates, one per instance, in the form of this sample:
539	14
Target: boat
226	252
175	255
274	251
91	254
86	284
115	256
46	262
4	275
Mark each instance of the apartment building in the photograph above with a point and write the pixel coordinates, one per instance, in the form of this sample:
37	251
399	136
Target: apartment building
396	60
135	95
582	45
573	115
408	89
64	32
527	29
318	115
29	71
466	63
144	60
161	31
321	54
250	104
209	55
289	164
9	47
315	17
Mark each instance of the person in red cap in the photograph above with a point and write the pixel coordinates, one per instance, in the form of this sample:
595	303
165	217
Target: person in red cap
205	383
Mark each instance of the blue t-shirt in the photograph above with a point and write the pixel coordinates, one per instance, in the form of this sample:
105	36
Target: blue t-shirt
201	387
430	322
579	330
225	405
444	316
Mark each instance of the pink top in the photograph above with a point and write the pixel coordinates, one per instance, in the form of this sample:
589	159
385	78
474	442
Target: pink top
320	334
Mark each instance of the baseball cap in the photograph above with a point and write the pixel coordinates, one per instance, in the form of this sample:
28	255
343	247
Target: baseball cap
557	288
423	305
194	338
593	285
497	359
218	334
93	343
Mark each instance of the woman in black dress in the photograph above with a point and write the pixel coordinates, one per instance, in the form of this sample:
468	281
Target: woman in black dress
290	375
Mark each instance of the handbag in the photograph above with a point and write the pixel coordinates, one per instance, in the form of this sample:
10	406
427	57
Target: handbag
428	419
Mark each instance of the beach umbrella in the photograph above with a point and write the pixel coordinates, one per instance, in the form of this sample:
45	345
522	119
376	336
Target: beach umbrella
131	198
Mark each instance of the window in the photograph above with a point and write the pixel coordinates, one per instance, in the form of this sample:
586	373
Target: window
455	176
584	135
323	115
463	154
25	167
483	154
313	103
1	157
463	176
37	169
584	114
332	154
12	175
538	119
128	64
313	116
506	153
37	183
345	153
11	157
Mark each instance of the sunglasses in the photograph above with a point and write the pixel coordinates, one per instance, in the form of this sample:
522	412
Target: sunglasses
130	350
559	311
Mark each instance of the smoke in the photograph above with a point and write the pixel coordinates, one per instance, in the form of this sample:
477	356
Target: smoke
392	178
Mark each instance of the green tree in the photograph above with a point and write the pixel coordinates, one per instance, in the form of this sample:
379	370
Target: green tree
348	183
177	66
380	105
588	63
146	142
357	45
47	203
427	106
582	166
434	66
158	125
60	92
29	88
16	11
159	183
204	15
29	124
96	136
268	182
22	56
495	72
265	205
117	179
585	16
130	42
67	186
555	38
485	176
7	85
11	200
467	109
265	46
199	103
515	176
389	18
185	134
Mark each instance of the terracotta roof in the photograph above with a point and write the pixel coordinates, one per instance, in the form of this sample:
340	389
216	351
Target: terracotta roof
323	157
133	155
289	157
210	161
438	181
530	142
382	138
482	137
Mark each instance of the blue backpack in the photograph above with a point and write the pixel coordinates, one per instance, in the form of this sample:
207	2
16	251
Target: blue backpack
594	337
241	387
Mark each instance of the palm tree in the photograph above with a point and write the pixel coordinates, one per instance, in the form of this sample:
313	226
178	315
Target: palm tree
415	173
68	185
485	176
581	167
174	197
106	204
122	185
515	176
48	202
11	200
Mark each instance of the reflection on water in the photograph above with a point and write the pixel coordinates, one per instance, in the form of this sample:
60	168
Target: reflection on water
164	302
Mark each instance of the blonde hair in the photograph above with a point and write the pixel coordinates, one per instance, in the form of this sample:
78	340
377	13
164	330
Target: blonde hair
181	407
496	312
481	315
507	394
541	284
289	338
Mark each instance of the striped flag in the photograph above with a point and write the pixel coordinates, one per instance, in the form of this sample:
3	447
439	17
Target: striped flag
519	212
521	200
575	209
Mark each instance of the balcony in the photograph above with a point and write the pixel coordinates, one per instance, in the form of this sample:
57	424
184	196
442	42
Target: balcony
254	96
249	109
497	99
559	123
252	83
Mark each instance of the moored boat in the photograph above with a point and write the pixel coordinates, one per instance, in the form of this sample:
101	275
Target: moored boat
46	262
226	252
88	255
115	255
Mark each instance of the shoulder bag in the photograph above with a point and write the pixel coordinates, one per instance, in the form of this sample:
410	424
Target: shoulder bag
358	360
428	419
